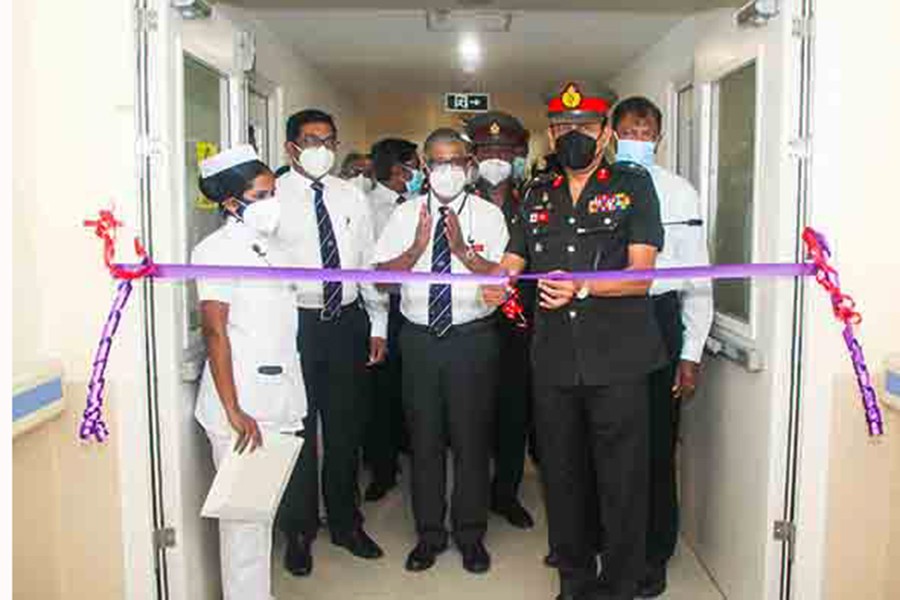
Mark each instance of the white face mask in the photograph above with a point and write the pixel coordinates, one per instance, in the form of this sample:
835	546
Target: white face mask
316	162
494	170
448	181
262	216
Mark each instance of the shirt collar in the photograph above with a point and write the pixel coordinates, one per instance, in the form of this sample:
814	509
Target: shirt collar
457	204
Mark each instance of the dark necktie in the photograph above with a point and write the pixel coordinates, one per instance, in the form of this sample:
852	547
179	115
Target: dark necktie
331	257
400	200
440	300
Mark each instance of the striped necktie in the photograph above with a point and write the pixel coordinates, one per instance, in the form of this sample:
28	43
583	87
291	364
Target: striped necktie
331	258
440	299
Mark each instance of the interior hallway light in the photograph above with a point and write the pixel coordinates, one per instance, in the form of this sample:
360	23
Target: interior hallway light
469	52
446	20
756	13
191	10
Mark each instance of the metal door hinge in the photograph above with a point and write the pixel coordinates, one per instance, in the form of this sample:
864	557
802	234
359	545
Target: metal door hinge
164	538
800	148
149	146
145	19
802	27
786	531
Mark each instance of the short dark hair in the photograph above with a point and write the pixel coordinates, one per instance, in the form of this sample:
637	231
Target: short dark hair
233	182
389	152
445	135
311	115
636	105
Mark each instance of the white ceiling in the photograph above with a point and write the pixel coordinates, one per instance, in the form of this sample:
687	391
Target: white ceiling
594	5
365	51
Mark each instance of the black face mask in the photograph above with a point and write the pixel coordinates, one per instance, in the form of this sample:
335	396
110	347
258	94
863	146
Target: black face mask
576	150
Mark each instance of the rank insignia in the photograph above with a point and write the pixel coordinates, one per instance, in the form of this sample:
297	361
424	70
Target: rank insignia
607	203
539	217
539	247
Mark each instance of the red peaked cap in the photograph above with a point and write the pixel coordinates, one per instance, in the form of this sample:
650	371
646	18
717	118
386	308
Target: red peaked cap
572	102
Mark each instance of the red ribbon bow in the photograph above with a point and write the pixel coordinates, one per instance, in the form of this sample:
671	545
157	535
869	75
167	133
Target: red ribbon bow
105	228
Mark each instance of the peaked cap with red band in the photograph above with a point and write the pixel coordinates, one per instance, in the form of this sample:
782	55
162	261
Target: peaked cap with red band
572	102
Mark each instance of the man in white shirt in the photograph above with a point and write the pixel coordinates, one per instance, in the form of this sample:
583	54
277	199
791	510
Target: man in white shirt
326	223
450	348
397	175
684	310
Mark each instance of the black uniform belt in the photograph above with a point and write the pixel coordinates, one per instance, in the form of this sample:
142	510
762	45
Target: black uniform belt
317	313
476	326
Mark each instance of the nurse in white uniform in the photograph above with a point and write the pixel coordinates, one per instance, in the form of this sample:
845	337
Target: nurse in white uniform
252	385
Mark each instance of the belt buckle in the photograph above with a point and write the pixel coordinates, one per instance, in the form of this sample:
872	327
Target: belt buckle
327	316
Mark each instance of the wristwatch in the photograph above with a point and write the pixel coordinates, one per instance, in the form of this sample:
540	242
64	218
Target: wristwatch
583	292
470	253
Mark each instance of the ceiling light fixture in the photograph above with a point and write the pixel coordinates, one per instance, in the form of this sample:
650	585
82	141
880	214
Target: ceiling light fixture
469	52
446	20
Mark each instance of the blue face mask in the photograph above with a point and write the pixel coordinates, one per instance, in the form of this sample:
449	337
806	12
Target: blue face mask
642	153
518	168
414	183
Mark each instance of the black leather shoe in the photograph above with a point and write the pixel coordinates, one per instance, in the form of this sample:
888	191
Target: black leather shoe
423	556
515	513
378	490
552	559
359	544
653	583
298	558
475	558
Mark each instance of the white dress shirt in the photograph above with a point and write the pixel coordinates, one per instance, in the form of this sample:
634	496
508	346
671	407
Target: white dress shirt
351	219
685	246
382	201
483	228
262	326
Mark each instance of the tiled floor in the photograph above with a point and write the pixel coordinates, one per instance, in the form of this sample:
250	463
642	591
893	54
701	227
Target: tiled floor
518	572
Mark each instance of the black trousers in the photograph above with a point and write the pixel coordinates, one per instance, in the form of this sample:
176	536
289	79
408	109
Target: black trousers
662	521
513	416
386	430
608	423
333	355
294	515
448	397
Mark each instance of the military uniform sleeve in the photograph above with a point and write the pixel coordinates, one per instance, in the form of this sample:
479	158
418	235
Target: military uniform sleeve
518	243
646	225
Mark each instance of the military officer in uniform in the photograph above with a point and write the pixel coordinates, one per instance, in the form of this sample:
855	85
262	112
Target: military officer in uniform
497	139
595	343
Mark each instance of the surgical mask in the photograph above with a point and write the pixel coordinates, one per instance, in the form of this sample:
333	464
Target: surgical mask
576	150
364	184
448	181
262	215
518	168
414	183
495	171
636	151
316	162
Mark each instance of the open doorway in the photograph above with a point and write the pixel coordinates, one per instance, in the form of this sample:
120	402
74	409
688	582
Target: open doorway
729	99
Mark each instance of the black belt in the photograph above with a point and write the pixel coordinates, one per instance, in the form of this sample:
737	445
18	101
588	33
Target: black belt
317	313
476	326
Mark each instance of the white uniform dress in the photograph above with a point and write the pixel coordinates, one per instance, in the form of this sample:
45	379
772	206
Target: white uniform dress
262	325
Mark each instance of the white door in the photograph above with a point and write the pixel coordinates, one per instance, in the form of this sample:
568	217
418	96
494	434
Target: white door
736	459
197	98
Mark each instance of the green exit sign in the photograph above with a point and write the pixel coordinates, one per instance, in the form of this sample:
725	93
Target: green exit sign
466	102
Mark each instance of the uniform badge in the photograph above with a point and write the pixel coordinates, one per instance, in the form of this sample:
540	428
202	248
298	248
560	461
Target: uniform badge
571	97
539	217
607	203
495	128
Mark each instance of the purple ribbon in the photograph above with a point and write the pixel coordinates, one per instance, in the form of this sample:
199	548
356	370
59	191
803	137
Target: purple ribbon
866	391
92	424
735	271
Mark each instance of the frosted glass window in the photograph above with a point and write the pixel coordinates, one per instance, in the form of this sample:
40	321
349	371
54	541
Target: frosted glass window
258	133
205	133
685	133
734	142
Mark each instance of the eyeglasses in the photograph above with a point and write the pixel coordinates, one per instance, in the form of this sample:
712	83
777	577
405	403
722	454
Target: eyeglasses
459	161
312	141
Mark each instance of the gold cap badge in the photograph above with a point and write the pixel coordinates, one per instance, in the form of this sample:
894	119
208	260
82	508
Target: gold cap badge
571	97
495	128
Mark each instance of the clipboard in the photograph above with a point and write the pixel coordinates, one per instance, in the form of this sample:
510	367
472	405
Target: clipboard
249	486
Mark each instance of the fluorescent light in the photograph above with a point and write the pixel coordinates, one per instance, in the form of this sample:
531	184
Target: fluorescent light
469	52
445	20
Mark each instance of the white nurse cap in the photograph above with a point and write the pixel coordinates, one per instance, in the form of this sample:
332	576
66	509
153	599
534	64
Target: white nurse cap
227	159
